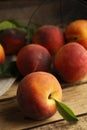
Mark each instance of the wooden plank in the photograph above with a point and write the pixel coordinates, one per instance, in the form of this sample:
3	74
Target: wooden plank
62	125
11	117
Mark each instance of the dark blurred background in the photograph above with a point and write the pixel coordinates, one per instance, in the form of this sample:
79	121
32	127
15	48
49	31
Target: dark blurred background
43	11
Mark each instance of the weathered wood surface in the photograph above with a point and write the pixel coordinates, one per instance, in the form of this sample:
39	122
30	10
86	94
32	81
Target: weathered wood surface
62	125
11	117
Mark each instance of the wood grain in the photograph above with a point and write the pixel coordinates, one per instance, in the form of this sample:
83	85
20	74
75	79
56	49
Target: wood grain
63	125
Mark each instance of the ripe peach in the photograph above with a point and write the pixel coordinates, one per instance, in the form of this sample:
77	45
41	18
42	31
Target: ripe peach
12	40
49	36
34	95
2	54
70	62
32	58
76	31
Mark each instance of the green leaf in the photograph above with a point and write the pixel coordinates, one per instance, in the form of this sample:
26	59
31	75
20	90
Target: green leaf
6	25
19	25
66	112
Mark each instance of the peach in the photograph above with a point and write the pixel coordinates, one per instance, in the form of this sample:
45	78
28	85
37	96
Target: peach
49	36
33	58
70	62
76	31
34	95
2	54
12	40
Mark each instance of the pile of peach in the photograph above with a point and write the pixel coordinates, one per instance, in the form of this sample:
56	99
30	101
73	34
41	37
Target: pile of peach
52	48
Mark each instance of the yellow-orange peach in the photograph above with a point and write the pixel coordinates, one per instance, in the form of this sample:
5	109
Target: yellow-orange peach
33	58
49	36
34	95
76	31
2	54
70	62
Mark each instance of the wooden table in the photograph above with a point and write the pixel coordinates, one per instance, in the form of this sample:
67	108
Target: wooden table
75	96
